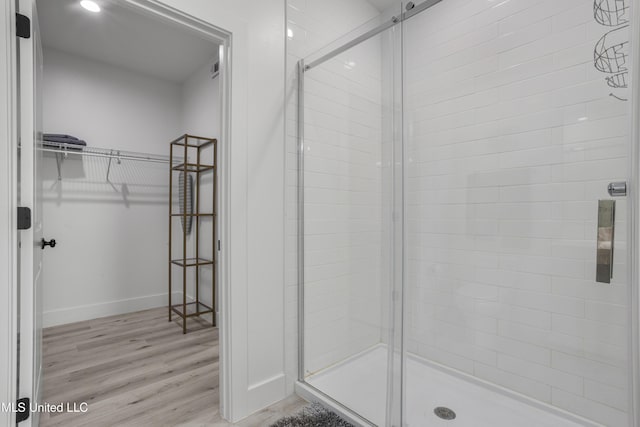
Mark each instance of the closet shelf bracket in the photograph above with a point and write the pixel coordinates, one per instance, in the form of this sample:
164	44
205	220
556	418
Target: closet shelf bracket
59	160
111	156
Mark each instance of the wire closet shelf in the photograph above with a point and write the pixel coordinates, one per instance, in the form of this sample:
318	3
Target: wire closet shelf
108	153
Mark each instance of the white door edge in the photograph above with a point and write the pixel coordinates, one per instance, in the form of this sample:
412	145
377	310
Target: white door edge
8	221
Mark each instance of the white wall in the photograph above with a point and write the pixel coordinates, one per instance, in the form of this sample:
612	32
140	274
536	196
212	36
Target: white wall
201	103
112	244
117	108
512	139
200	117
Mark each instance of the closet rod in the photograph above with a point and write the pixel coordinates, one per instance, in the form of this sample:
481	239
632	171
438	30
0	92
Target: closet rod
115	155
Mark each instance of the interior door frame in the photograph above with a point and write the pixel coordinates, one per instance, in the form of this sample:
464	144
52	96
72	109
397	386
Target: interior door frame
8	216
8	191
223	38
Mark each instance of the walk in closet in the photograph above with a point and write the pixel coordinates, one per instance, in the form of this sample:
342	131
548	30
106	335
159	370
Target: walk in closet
127	85
119	88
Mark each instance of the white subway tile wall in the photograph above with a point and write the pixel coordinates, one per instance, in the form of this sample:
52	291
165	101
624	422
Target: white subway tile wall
512	137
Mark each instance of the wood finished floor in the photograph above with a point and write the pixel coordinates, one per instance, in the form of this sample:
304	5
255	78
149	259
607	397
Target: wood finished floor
138	369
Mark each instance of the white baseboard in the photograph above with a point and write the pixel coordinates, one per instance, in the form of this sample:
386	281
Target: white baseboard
266	393
111	308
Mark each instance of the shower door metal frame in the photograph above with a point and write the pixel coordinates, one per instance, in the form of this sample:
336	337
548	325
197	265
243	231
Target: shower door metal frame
300	206
633	212
302	387
414	10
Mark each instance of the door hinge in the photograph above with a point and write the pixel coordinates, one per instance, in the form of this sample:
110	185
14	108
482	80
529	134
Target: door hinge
218	244
23	26
24	218
23	409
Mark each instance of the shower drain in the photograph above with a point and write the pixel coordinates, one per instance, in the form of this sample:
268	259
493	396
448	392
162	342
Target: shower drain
444	413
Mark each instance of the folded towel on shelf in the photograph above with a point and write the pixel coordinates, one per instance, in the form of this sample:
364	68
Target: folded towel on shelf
57	139
60	135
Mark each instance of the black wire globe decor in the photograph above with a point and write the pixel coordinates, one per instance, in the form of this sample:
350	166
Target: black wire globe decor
610	54
611	13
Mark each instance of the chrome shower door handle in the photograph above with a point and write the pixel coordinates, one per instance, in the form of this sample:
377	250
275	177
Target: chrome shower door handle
617	189
605	245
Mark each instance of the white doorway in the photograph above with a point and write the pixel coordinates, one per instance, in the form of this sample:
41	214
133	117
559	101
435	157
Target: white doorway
64	171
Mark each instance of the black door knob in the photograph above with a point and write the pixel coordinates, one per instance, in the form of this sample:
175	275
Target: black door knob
51	243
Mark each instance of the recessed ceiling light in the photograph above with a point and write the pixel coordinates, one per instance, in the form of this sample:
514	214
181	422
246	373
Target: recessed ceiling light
91	6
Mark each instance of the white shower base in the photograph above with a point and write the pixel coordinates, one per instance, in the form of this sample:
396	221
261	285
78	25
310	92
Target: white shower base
359	383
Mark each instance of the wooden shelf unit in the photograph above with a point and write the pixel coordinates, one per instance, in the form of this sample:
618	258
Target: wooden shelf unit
183	146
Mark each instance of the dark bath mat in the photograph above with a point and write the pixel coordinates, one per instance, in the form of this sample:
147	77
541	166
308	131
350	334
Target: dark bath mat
313	415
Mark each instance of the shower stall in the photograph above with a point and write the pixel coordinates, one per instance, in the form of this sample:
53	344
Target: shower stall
466	218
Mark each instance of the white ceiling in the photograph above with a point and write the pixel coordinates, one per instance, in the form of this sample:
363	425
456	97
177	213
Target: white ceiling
120	36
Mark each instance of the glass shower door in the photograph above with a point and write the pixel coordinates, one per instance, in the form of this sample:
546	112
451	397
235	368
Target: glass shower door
516	261
349	120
